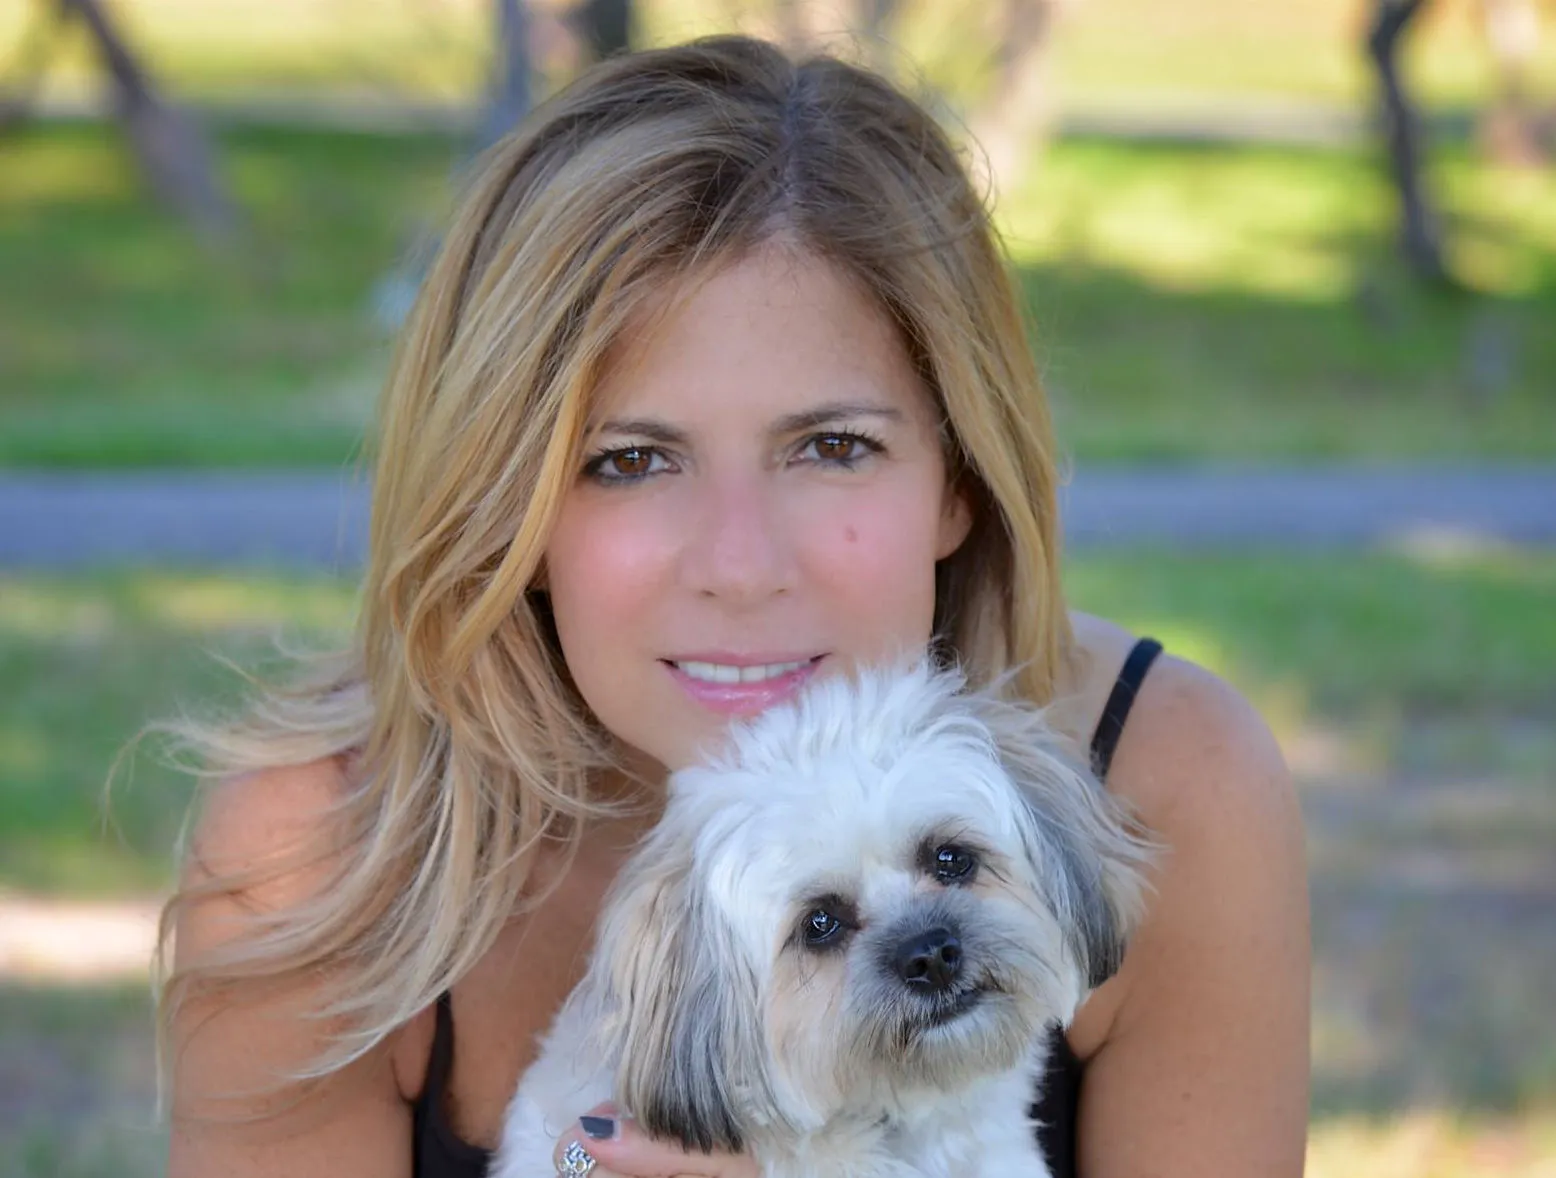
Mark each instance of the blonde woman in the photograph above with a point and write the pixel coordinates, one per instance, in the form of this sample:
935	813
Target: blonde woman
719	367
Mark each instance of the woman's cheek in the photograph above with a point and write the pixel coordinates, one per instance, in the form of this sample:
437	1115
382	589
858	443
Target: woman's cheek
606	562
876	560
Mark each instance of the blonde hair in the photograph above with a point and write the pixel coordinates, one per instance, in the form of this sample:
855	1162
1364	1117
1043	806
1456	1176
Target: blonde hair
464	743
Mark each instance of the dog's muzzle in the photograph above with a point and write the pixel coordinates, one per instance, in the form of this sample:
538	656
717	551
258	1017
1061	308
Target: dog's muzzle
929	961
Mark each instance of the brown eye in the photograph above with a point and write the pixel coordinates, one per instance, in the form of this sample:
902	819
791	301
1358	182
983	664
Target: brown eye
628	465
836	447
840	450
631	462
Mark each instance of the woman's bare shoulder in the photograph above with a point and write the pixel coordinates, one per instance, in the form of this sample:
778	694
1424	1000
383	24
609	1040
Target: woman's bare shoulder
273	827
1190	735
251	820
1217	973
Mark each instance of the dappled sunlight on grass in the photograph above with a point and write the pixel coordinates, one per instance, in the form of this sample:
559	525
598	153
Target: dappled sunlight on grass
1357	630
1502	226
85	664
109	306
1297	223
1434	934
1197	220
23	751
77	1070
41	607
1190	302
1497	562
1246	303
1433	1144
215	602
61	171
1362	663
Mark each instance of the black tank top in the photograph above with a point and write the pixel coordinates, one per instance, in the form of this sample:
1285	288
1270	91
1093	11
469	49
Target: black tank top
439	1153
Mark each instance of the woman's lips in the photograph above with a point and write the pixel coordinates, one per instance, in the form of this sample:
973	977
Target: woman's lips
736	699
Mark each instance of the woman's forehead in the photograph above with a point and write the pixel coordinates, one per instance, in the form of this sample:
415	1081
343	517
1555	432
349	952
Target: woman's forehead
779	326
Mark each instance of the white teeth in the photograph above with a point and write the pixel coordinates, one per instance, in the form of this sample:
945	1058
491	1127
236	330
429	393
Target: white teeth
723	673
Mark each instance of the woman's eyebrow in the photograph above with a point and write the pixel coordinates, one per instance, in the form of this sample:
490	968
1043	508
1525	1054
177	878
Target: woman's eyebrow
656	430
645	427
834	411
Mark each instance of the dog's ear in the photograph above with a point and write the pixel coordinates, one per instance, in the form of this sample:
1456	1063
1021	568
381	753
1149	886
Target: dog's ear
679	1005
1088	855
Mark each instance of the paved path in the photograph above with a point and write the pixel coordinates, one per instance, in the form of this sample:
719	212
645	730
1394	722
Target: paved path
48	941
318	520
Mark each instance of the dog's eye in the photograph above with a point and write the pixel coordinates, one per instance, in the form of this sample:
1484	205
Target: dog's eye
953	865
820	927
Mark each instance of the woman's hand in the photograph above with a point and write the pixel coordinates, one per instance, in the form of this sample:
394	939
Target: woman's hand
622	1150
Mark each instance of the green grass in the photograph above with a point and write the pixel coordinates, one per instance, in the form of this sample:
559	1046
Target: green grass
122	343
1245	304
1189	303
1424	669
85	664
1421	636
77	1083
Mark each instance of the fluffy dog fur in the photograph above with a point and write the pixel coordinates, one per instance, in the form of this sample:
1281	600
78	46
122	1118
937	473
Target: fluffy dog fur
759	981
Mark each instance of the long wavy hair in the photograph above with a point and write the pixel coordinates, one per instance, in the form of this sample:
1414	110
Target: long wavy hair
462	741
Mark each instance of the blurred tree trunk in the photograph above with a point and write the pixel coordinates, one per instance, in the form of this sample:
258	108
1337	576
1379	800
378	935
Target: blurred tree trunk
805	26
1509	129
169	146
1420	236
512	73
580	32
604	25
1014	114
871	18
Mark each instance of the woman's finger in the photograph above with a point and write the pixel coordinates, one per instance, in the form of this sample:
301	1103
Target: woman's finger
597	1171
573	1159
617	1144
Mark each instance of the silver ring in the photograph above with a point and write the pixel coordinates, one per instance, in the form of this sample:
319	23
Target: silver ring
576	1162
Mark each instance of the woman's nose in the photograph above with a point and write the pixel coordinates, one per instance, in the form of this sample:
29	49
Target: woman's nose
738	546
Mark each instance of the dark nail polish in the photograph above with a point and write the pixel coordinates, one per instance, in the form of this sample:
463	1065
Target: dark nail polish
598	1128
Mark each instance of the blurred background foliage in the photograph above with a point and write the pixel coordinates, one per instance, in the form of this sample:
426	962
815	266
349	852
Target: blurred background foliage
1201	212
1203	219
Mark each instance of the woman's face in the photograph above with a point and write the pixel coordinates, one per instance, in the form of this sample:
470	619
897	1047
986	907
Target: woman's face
763	499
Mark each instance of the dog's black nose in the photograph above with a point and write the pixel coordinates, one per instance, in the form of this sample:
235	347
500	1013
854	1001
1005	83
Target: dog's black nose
931	959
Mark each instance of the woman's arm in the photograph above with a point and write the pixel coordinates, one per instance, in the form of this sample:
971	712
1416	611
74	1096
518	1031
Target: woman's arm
1204	1066
356	1123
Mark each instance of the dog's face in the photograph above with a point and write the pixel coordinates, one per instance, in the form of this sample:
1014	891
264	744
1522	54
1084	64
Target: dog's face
879	894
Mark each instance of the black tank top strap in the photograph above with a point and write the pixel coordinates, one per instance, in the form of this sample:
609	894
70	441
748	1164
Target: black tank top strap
1104	741
437	1151
1060	1093
442	1061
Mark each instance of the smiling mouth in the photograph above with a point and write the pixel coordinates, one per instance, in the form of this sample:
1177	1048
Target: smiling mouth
728	674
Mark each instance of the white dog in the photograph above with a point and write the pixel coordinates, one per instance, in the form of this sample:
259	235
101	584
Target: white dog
839	949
